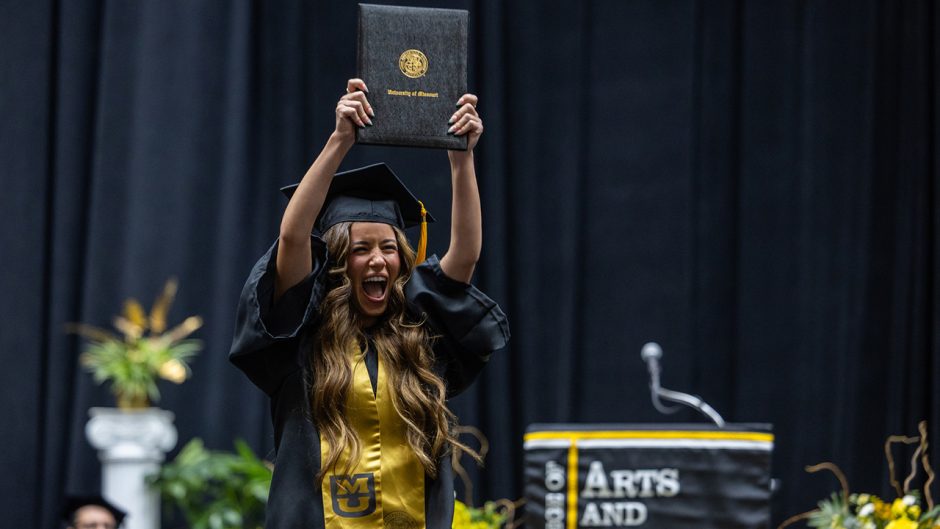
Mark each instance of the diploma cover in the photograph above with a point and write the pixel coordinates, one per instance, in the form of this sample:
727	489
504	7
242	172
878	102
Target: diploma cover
414	61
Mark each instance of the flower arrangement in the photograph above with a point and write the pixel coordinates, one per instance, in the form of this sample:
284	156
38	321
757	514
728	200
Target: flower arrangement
147	350
910	510
487	517
866	511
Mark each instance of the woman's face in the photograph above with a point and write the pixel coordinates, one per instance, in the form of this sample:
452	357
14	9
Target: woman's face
372	265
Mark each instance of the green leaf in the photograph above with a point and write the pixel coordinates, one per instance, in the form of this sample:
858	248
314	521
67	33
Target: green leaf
232	518
218	486
216	521
244	451
177	490
931	514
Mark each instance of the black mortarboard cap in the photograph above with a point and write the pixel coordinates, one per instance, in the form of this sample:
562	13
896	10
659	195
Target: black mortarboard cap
74	503
368	194
371	194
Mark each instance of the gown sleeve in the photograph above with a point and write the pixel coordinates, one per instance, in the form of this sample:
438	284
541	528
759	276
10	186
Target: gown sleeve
467	325
267	334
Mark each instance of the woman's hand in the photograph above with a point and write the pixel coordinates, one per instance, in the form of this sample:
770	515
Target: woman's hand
466	121
466	230
353	110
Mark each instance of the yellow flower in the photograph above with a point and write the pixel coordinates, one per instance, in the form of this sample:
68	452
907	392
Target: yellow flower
161	306
131	330
902	523
461	515
882	510
134	313
913	512
189	326
173	370
898	508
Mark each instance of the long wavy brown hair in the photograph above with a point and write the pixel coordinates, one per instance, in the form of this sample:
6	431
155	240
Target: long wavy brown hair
402	345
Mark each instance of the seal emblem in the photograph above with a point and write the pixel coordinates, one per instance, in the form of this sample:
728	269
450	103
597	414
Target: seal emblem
413	63
400	520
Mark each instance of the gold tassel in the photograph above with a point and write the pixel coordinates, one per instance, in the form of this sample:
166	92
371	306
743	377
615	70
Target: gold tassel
423	241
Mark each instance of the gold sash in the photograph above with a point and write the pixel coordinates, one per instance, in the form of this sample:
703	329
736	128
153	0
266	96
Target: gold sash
386	487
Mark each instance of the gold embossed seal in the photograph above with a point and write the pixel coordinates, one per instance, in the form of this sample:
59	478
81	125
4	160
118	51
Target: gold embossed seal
413	63
400	520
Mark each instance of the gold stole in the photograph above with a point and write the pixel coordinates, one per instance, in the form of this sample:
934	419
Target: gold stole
386	487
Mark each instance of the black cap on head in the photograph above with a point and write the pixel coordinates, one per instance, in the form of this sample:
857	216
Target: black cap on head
368	194
74	503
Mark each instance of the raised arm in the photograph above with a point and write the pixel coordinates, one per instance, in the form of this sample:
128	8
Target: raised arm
466	227
294	261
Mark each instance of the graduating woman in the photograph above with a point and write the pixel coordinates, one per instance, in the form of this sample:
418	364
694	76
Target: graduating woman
358	343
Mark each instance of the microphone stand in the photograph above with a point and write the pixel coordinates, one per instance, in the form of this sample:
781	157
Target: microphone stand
651	353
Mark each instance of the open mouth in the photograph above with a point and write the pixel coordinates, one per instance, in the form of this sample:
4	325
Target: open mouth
375	287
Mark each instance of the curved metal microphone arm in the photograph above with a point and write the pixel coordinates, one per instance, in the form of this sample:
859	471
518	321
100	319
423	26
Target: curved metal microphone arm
651	353
655	393
693	402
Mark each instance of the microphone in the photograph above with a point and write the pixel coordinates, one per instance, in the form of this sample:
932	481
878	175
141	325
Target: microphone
651	354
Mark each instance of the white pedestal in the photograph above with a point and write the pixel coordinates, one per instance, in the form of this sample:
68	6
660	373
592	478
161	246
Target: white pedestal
131	446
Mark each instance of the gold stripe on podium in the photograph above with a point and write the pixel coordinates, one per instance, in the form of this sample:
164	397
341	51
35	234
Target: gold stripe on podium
572	516
575	435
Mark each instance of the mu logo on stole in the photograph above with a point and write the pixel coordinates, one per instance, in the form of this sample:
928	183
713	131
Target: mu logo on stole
353	496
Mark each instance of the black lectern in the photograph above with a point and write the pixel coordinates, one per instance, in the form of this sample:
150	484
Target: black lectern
653	476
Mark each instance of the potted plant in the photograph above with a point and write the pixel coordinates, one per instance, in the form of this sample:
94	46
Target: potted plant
144	351
216	489
910	509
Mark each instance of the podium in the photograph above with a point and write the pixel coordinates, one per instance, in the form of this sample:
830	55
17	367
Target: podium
653	476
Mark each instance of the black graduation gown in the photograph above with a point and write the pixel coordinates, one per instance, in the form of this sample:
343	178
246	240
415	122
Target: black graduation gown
269	346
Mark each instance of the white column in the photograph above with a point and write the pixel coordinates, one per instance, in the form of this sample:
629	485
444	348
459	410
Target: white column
131	446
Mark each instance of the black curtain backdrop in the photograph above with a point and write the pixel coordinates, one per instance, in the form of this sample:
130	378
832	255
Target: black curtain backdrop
753	185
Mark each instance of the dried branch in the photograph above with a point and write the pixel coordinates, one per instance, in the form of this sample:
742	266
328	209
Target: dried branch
910	477
476	433
509	510
925	461
518	504
458	453
463	475
892	440
838	473
793	519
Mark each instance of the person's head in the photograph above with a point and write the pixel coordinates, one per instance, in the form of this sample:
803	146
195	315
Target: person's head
370	264
93	517
91	512
362	221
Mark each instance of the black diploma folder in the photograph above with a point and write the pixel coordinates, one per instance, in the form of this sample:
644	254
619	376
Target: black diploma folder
414	61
